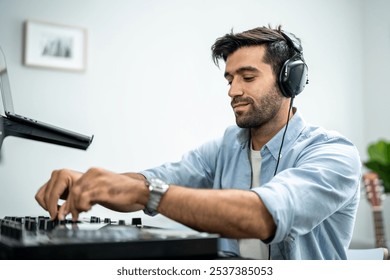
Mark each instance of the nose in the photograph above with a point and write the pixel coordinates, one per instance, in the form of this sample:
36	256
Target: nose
235	89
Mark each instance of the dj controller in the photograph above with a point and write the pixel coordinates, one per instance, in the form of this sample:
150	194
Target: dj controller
95	238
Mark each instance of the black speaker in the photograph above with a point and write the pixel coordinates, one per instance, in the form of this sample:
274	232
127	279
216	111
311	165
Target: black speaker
293	75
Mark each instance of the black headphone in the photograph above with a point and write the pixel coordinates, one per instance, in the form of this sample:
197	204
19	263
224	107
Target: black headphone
293	75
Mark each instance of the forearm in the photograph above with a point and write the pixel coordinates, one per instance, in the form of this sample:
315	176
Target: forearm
230	213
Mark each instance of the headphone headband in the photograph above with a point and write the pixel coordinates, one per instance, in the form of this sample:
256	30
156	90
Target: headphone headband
292	41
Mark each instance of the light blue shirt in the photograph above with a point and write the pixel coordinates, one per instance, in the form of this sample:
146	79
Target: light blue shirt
313	198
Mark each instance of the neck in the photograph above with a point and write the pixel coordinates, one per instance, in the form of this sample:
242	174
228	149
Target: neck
262	134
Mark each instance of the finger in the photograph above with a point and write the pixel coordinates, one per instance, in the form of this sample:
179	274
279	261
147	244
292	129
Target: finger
39	196
63	211
78	201
57	186
75	215
84	192
82	200
51	196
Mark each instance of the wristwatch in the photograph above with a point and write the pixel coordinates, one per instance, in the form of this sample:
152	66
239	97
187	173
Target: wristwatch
157	189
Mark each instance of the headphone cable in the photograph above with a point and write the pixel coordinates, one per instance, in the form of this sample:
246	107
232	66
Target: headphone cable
279	154
284	134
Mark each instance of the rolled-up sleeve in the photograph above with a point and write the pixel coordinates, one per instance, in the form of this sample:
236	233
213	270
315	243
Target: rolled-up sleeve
323	180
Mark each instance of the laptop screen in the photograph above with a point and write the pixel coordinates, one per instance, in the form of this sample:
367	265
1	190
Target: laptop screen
5	85
1	133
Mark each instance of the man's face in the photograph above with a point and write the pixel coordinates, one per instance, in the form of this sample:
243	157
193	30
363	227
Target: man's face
256	97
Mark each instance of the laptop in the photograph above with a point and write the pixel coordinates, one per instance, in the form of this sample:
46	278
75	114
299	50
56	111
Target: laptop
10	112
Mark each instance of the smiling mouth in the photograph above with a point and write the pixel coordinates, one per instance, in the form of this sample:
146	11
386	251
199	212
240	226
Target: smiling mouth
237	105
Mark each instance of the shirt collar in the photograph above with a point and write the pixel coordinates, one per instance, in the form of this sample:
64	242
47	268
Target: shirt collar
295	127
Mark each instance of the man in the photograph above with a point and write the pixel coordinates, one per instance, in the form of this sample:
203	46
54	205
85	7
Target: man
295	189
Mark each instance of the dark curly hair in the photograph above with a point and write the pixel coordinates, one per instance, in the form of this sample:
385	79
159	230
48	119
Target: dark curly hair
277	48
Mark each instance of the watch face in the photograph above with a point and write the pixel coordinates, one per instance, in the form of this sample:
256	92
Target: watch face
156	181
158	185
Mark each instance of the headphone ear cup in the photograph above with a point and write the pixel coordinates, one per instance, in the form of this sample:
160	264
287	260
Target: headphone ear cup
293	77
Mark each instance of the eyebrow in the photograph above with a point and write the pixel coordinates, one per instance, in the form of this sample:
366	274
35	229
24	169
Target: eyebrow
242	69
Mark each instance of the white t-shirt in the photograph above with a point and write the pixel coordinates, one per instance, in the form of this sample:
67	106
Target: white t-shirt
254	248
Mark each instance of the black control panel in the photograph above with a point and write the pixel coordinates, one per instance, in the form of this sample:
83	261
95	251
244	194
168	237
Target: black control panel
99	238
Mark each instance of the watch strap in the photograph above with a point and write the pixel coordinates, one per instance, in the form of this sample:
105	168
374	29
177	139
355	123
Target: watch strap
157	189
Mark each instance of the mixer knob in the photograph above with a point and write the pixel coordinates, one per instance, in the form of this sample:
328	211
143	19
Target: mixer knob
16	232
41	223
49	224
30	224
12	229
94	219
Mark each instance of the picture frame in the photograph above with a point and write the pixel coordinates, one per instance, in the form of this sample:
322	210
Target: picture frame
54	46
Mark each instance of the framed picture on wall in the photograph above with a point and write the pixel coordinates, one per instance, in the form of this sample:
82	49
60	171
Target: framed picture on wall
55	46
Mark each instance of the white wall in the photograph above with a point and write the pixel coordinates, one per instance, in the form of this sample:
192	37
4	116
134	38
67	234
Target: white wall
375	33
151	91
376	95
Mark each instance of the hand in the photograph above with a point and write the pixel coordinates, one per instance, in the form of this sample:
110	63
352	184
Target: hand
117	192
55	189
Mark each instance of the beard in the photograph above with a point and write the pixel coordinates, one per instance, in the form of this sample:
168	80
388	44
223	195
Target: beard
260	112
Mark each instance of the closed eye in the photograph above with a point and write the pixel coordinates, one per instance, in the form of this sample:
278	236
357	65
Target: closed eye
249	79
